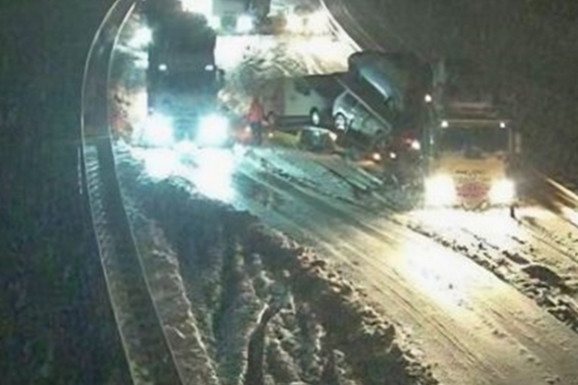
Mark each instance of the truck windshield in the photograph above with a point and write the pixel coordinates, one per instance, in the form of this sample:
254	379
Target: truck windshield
477	140
191	82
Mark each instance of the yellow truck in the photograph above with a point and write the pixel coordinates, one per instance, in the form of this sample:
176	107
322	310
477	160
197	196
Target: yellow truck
470	164
470	147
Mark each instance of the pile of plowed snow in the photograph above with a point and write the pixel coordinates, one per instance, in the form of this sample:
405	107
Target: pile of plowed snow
249	306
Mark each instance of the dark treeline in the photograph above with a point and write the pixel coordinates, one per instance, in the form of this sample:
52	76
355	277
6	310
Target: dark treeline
56	325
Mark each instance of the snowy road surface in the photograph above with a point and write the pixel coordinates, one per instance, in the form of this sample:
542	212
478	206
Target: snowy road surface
474	327
471	321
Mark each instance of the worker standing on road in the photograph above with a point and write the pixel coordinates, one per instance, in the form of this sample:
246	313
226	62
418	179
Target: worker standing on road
255	118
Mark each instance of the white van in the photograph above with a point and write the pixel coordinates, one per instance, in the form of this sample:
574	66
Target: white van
300	100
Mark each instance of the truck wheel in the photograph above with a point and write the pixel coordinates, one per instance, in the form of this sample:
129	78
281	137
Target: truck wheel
315	117
340	122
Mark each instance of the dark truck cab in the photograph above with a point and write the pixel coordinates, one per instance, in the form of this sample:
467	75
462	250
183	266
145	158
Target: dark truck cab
183	80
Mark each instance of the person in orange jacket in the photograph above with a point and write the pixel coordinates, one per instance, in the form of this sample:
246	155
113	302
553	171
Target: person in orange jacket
255	117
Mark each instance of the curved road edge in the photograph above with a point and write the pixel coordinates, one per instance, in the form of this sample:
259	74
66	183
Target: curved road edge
144	341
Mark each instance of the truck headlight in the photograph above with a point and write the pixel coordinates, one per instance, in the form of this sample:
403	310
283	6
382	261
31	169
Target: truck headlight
318	23
414	144
244	24
215	22
294	23
213	130
158	131
440	190
503	191
142	37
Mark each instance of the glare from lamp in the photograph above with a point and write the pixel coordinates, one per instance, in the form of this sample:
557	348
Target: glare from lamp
142	37
502	192
244	24
158	131
318	23
213	131
215	22
294	23
204	7
160	163
440	190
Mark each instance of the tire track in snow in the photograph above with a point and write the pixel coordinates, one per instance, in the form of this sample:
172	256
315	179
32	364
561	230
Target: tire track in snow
345	253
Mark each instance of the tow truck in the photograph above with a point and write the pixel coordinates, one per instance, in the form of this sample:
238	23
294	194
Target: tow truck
472	148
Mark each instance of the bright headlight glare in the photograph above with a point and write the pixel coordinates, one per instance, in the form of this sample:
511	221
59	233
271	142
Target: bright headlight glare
503	191
294	23
318	23
244	24
158	131
213	131
440	190
143	36
215	22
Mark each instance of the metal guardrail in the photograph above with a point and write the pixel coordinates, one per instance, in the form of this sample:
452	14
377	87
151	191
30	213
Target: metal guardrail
144	341
555	190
